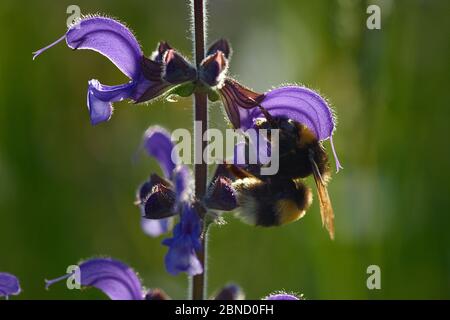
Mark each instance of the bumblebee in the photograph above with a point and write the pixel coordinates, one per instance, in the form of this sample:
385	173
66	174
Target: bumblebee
284	198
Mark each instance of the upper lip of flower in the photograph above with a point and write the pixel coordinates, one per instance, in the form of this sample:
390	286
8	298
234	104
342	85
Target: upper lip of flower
9	285
114	278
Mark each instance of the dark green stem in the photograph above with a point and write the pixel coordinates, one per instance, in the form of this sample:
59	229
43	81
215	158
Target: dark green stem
198	284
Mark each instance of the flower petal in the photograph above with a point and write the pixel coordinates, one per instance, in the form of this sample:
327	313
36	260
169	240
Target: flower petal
191	224
182	256
155	228
109	38
281	296
158	144
114	278
100	98
9	285
182	179
299	104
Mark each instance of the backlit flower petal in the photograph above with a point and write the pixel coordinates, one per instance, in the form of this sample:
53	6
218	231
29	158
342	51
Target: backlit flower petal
302	105
184	244
181	178
9	285
100	98
111	39
155	228
299	104
182	258
281	296
114	278
158	144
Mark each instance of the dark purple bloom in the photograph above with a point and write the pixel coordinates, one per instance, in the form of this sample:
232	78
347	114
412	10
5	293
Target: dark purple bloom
160	197
214	67
300	104
221	45
230	292
220	194
184	244
9	285
114	278
158	145
149	78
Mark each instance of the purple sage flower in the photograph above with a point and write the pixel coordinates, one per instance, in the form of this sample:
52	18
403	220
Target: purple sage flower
184	244
160	198
9	285
112	277
149	78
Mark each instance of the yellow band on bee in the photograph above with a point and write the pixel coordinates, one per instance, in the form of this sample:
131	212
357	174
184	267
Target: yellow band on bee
288	211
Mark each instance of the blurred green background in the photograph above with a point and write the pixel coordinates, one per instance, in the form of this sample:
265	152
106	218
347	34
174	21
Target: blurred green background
67	188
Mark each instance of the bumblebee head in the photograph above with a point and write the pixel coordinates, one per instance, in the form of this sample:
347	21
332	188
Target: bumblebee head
305	136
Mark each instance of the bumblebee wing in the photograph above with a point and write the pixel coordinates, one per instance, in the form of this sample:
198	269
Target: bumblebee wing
326	210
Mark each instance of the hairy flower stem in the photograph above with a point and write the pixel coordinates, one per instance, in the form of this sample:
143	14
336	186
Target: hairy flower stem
198	284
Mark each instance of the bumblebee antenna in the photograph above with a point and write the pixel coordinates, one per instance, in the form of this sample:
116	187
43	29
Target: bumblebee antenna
315	167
